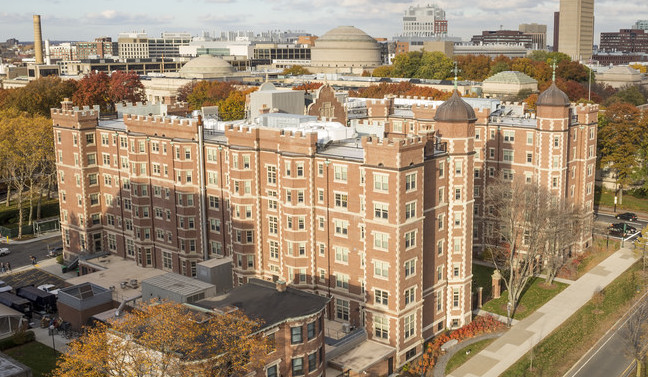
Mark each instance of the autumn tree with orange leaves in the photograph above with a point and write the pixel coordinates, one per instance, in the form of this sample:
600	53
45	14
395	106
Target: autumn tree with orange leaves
166	339
400	89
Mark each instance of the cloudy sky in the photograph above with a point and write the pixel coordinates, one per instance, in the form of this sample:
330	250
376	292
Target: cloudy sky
87	19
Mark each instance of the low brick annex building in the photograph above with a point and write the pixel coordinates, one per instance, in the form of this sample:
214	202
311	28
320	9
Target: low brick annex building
379	216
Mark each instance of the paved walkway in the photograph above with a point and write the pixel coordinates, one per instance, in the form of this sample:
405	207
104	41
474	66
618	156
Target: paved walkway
515	343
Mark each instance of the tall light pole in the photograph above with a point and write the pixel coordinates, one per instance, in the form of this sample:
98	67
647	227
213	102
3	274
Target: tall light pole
51	331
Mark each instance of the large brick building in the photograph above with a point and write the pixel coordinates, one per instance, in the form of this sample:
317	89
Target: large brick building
378	216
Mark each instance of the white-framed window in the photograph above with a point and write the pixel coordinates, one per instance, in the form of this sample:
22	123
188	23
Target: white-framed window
381	269
340	173
381	327
410	182
556	141
458	166
410	210
341	280
381	297
410	239
167	261
341	227
410	268
529	138
381	182
381	240
457	219
555	161
272	174
381	211
508	155
341	200
341	254
509	136
272	225
342	309
456	243
455	297
274	250
410	325
409	295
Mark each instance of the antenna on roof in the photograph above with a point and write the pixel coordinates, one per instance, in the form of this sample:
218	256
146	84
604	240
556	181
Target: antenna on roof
455	78
553	76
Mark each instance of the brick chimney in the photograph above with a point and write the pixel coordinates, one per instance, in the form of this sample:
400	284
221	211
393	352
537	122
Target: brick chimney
66	104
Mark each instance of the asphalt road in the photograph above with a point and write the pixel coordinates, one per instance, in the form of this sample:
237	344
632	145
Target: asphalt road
20	253
608	357
609	219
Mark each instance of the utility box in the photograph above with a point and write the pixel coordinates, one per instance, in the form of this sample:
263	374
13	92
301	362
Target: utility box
177	288
217	272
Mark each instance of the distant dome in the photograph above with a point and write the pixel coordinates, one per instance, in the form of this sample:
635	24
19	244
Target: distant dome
455	110
511	77
267	87
344	47
553	97
206	67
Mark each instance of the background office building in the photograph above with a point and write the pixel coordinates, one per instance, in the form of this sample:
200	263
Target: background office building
576	35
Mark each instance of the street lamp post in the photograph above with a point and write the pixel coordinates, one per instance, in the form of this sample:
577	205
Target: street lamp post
51	331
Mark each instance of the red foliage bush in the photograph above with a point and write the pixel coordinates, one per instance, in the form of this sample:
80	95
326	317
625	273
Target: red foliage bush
479	326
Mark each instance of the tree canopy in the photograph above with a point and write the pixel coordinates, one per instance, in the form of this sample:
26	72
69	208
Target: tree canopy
97	88
422	65
623	143
295	70
166	339
399	89
38	96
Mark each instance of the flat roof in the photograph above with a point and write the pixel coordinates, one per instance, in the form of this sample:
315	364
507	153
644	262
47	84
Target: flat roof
363	356
177	283
260	299
114	270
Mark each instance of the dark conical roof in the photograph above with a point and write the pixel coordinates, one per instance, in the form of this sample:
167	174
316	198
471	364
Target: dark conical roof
455	110
553	97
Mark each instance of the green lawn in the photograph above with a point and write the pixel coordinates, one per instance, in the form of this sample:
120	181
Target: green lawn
562	348
482	278
535	295
630	203
466	353
39	357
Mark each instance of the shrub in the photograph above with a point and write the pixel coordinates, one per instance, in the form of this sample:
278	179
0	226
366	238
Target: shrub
479	326
20	337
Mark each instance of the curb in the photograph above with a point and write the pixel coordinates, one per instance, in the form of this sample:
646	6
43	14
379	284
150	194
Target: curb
44	236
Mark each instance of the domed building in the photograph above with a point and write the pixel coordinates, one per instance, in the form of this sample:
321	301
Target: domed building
345	49
206	67
455	109
508	83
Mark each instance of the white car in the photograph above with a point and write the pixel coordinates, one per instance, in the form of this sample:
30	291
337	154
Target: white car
4	251
4	287
49	288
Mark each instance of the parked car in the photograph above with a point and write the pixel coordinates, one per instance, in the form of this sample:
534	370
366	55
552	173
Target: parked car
629	229
55	252
616	232
4	287
4	251
627	216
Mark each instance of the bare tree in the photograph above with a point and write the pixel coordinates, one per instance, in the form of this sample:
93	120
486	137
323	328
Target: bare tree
565	226
635	334
516	220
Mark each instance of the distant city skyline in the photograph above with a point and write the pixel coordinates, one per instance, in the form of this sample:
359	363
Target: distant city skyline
86	20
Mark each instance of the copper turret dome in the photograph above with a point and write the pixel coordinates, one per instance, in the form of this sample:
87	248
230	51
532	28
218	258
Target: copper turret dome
553	97
455	110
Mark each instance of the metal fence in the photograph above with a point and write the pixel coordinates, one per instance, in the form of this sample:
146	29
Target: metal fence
37	227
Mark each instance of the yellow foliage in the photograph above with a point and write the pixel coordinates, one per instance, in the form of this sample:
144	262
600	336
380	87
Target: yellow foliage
166	339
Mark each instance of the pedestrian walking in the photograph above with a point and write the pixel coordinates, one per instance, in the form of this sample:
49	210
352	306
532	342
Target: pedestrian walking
2	268
8	266
33	260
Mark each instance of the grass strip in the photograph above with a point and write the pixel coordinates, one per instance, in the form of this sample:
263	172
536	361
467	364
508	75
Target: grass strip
554	355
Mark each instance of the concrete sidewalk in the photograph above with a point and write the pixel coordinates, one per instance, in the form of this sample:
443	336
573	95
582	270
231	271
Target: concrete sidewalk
515	343
42	236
